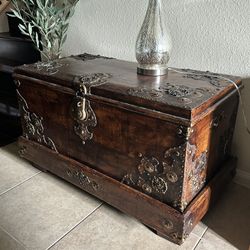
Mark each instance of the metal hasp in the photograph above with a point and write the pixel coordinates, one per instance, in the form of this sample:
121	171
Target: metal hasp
81	109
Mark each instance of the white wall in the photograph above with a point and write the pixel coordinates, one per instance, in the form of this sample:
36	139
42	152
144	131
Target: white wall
207	35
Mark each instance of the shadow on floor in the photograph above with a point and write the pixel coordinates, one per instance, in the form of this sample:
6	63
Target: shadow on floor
10	129
230	217
5	140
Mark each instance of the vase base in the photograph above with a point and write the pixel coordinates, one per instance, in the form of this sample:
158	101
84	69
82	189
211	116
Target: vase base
152	72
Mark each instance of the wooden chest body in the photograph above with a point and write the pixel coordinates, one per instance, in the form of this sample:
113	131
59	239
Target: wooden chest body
165	137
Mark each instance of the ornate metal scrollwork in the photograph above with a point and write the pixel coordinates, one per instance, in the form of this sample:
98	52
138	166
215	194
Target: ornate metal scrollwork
158	177
212	78
184	94
33	128
175	156
174	159
87	57
82	179
81	109
178	90
148	178
149	94
154	177
85	117
197	176
48	68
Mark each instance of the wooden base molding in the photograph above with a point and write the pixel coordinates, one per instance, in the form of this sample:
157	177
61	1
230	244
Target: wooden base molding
163	219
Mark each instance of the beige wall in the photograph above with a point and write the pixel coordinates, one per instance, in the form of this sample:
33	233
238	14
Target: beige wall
241	144
3	22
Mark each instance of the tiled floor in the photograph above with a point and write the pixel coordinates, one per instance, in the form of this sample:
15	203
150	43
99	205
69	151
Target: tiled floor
40	211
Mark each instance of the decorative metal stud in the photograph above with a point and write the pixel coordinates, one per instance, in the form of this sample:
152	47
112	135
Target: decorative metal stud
22	151
172	177
168	225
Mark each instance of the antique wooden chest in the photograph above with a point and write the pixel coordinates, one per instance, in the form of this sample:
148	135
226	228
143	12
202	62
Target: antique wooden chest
157	148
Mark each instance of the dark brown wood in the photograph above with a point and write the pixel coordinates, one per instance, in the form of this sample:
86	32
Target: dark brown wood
166	221
195	93
166	137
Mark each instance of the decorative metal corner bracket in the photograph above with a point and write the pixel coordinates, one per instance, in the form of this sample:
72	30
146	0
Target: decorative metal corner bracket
154	177
33	128
82	179
159	178
81	109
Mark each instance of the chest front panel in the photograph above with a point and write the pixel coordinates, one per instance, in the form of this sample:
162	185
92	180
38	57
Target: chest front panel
143	151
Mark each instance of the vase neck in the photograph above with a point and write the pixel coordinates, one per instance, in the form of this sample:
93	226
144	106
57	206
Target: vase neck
154	10
154	5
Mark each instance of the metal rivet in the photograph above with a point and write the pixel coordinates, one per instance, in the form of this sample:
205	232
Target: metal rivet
172	177
174	235
180	132
168	224
69	173
95	186
147	188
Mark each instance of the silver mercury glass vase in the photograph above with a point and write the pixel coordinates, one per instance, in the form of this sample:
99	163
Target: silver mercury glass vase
153	44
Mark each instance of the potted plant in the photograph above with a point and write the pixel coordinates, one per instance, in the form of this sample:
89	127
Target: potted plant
46	22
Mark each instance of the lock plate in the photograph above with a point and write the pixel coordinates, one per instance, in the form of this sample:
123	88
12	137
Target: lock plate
81	109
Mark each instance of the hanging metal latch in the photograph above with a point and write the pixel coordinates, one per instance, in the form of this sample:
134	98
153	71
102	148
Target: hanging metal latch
81	109
79	105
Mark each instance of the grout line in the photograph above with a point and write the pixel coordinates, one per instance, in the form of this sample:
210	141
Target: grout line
197	244
13	237
20	183
82	220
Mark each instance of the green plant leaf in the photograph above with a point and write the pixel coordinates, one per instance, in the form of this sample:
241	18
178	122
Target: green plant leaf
46	22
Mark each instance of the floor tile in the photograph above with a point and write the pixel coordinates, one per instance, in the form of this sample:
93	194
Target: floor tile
200	229
230	217
109	229
9	243
13	169
213	241
43	209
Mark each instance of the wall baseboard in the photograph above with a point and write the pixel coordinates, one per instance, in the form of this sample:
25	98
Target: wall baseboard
242	178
